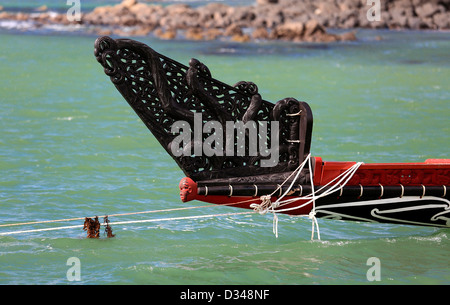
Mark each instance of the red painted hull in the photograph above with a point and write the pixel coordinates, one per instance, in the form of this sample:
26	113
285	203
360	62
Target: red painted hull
246	201
423	200
432	172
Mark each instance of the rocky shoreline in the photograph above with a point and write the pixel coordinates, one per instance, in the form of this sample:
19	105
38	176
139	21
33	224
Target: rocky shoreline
292	20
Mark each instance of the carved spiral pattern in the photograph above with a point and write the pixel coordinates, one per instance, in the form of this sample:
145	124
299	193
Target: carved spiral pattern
162	91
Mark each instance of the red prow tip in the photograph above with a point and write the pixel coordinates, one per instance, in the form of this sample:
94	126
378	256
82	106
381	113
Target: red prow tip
188	189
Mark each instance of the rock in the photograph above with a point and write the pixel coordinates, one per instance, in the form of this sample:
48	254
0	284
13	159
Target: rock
313	27
222	19
383	23
414	23
362	20
325	37
211	11
178	10
141	31
99	15
22	16
288	31
442	20
351	22
147	15
268	17
128	20
260	33
233	29
298	20
326	10
6	15
142	9
426	10
240	38
243	16
104	32
199	33
347	36
166	35
398	18
212	34
58	18
194	33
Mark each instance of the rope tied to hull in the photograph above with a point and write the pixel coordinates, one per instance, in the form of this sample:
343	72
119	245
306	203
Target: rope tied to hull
337	184
312	214
267	205
264	206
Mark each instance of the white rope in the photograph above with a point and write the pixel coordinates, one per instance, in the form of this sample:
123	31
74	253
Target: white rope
266	204
124	214
275	224
128	222
343	177
346	176
178	218
41	230
256	190
299	170
312	214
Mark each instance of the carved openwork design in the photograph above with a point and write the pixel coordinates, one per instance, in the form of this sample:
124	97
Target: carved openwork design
163	91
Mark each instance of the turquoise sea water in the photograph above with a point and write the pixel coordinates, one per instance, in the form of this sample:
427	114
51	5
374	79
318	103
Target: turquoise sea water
70	146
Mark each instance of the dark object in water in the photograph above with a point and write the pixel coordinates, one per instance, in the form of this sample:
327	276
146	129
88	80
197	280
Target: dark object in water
108	229
92	226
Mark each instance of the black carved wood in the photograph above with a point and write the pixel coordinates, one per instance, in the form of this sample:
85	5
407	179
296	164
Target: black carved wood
162	91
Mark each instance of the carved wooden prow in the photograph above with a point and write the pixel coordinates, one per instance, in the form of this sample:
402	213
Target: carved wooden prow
162	92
